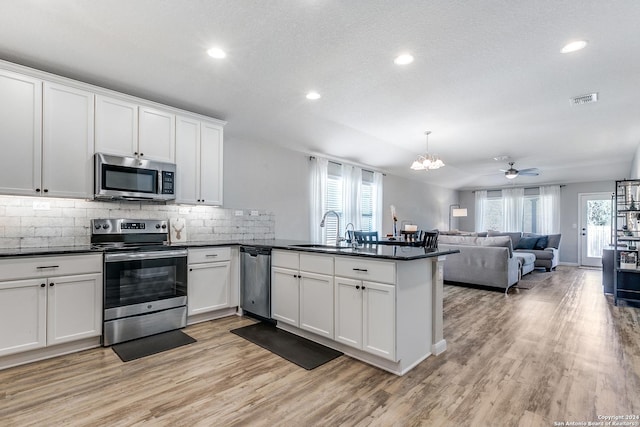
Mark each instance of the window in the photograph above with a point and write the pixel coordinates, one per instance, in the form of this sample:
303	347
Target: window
494	216
352	193
334	202
366	202
533	215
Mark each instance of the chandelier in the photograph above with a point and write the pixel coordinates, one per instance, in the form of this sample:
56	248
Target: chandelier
427	161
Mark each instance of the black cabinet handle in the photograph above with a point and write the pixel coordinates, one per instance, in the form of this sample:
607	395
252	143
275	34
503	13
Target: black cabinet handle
47	266
51	284
142	154
357	286
46	190
360	269
363	288
191	269
37	190
42	285
135	152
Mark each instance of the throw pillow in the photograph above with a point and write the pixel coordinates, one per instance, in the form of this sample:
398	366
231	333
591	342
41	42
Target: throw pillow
542	243
527	242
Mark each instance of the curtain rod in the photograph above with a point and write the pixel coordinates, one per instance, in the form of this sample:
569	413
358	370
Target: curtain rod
343	162
526	188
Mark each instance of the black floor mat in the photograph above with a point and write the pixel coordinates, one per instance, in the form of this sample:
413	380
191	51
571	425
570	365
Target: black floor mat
153	344
295	349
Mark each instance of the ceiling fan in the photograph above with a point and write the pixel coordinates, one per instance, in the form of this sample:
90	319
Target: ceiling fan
512	172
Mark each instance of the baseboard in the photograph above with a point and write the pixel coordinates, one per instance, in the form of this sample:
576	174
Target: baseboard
212	315
43	353
569	264
439	347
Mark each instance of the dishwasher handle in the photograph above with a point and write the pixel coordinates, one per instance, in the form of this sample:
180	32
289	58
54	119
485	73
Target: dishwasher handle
254	251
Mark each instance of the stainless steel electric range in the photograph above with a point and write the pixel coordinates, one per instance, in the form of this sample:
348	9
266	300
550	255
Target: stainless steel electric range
145	281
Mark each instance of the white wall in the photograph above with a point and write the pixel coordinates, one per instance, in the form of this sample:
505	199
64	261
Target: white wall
569	214
269	178
422	204
276	180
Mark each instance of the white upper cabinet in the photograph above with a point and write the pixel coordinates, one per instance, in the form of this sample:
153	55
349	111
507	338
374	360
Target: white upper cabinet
67	151
187	160
116	126
20	134
199	156
211	164
157	135
124	128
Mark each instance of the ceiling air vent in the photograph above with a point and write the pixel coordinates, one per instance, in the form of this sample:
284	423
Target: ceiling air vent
584	99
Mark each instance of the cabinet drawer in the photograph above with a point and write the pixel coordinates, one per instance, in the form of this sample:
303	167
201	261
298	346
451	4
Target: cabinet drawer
286	259
49	266
322	264
357	268
201	255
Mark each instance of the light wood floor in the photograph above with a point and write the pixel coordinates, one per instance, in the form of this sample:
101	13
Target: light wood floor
557	352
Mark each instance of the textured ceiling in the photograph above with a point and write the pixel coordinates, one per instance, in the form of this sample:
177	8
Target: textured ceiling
488	77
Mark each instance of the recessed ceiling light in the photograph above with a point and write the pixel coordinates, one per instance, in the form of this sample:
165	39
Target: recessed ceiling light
574	46
313	95
216	52
403	59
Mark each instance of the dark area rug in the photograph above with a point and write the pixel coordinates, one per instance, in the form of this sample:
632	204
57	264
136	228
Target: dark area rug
293	348
153	344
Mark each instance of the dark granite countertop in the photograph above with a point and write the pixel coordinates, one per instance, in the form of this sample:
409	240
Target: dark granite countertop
51	250
385	251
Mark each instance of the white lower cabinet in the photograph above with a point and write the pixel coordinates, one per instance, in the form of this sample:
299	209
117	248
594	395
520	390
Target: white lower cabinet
316	303
285	296
23	316
365	316
209	280
48	309
302	291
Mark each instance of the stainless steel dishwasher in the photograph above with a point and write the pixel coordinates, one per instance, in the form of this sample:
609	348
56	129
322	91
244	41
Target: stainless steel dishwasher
255	280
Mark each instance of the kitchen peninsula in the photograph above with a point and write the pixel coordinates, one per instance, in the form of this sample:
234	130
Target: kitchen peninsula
380	304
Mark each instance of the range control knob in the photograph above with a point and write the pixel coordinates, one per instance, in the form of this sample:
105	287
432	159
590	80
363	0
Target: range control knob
105	226
164	226
97	226
157	225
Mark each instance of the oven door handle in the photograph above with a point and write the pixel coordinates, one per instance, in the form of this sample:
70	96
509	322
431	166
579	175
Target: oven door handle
139	256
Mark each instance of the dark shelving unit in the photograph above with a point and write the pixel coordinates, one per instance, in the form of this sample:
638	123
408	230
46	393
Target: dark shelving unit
626	241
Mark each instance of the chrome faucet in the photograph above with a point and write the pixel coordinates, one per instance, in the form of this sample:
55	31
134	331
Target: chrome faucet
324	217
351	240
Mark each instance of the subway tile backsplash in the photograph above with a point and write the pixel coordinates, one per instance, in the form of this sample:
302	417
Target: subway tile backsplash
28	222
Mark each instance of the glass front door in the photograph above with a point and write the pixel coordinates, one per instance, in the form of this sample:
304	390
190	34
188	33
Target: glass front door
595	227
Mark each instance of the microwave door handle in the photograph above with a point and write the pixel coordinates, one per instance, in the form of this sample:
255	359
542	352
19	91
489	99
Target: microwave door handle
133	199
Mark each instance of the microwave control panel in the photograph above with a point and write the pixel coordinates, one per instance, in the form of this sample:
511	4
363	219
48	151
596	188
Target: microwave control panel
168	181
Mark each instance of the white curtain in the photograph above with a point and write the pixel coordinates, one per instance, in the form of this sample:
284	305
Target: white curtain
352	193
318	197
513	209
377	203
481	198
549	222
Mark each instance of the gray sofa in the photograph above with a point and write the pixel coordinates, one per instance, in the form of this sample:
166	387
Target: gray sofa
487	261
545	250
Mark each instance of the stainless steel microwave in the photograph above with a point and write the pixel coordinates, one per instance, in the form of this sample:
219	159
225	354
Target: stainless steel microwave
130	178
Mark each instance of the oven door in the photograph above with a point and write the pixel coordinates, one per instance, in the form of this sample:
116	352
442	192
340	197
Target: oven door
144	282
